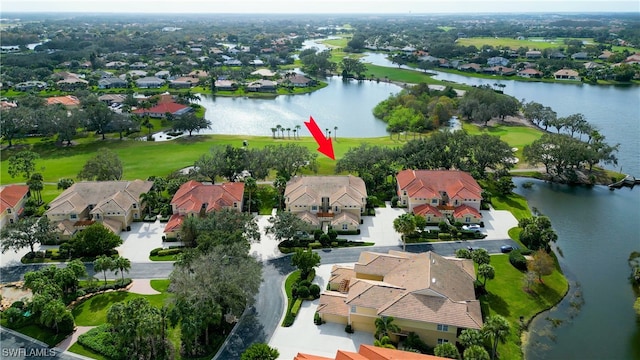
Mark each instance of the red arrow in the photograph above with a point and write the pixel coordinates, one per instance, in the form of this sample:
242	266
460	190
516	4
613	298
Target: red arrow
325	145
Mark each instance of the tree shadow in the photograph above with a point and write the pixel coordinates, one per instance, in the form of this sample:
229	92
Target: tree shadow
550	295
100	302
498	305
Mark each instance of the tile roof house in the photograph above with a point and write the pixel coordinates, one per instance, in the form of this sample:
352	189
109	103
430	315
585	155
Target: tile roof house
161	110
69	101
12	200
298	80
264	73
566	74
226	85
338	201
425	293
183	82
194	197
262	86
530	73
440	194
111	83
114	203
150	82
370	352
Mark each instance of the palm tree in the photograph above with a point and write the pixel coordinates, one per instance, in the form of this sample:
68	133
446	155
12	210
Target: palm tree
385	326
295	133
384	342
273	131
497	329
329	135
289	133
150	199
278	127
298	127
103	263
335	133
53	314
405	224
122	264
250	186
326	132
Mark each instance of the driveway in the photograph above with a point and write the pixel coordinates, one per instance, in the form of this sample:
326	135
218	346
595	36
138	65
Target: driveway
324	340
143	237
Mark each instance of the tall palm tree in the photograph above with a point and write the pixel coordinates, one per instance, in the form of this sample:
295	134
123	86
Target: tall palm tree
53	314
103	263
335	133
405	224
326	132
250	186
298	127
385	326
278	127
273	131
122	264
295	133
289	133
497	329
150	199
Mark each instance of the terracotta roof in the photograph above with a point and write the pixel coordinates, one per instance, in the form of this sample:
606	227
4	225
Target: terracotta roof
302	356
175	222
435	309
162	108
192	195
372	294
11	195
68	100
529	71
425	209
463	210
429	183
370	352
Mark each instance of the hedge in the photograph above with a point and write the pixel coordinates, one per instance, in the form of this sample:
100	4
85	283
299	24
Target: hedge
518	260
155	251
100	340
296	307
166	252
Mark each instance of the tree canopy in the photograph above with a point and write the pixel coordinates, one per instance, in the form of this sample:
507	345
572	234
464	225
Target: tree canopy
106	165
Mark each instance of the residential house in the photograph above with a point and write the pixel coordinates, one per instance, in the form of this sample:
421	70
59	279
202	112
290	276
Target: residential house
162	74
426	293
70	81
500	70
265	73
321	201
226	85
298	80
137	73
497	61
138	65
150	82
12	200
68	101
566	74
256	62
530	73
533	54
184	82
196	198
605	55
110	99
112	83
632	59
199	74
470	67
370	352
580	56
592	65
440	195
262	86
232	62
30	85
557	55
115	64
161	110
115	204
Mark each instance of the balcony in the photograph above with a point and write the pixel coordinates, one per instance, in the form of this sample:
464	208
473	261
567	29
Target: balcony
325	215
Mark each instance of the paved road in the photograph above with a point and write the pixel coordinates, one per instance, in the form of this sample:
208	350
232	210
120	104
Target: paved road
263	317
14	345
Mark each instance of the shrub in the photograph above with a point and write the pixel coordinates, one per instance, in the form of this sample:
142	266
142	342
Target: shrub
18	305
314	290
348	232
288	320
296	307
518	260
317	319
334	244
325	239
167	252
444	236
304	282
394	201
315	245
155	251
348	329
333	235
303	292
312	275
317	234
101	341
12	314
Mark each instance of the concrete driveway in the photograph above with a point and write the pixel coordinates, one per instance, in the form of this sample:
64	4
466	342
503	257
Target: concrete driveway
323	340
143	237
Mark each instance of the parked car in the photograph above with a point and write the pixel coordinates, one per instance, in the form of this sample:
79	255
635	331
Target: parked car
507	248
471	227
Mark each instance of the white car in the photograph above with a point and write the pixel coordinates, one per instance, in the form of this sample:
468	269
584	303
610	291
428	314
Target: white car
471	227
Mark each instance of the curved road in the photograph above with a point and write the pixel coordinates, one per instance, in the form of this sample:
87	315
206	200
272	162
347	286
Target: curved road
260	321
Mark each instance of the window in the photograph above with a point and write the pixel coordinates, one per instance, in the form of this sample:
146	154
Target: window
429	218
434	201
345	227
353	308
135	206
11	221
135	215
442	341
9	211
442	327
467	219
73	216
97	216
314	208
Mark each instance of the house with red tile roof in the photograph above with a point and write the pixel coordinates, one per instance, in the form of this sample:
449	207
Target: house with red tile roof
161	110
426	293
196	198
370	352
530	73
440	194
68	101
12	200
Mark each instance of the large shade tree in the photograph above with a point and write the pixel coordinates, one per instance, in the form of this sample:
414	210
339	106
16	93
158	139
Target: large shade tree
106	165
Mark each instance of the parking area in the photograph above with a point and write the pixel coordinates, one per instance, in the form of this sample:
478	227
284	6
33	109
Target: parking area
307	337
143	237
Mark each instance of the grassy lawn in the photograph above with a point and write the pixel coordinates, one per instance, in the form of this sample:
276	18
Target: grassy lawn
506	296
288	284
93	311
40	333
514	44
81	350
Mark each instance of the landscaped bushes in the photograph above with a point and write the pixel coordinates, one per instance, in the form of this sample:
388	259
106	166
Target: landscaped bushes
518	260
296	307
348	232
100	340
166	252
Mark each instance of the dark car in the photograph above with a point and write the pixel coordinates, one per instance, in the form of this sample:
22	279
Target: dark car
507	248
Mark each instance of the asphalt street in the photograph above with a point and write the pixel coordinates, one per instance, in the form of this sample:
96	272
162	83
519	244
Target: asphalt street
260	320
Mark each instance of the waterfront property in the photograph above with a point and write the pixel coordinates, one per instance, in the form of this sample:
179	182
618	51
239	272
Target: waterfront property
440	195
68	101
12	200
566	74
196	198
338	201
425	293
370	352
115	204
162	109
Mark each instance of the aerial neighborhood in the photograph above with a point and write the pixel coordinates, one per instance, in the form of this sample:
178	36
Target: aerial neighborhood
163	195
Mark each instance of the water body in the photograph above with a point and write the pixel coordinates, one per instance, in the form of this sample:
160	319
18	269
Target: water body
345	104
597	229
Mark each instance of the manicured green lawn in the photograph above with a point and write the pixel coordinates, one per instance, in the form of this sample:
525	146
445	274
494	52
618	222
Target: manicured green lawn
514	44
38	332
515	136
81	350
93	311
507	297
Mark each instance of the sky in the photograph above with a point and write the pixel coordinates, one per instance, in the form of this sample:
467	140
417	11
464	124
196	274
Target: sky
319	6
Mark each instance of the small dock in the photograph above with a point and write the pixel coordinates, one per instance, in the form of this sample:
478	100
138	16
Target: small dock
628	181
